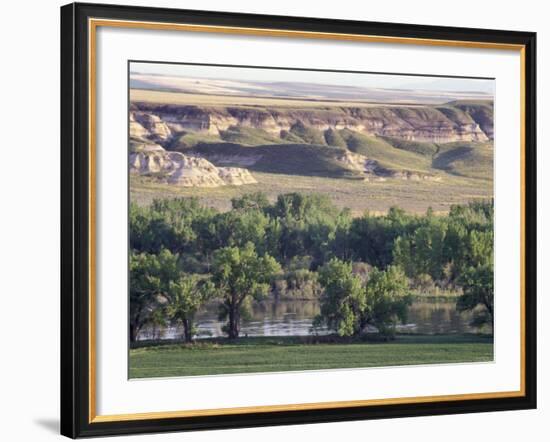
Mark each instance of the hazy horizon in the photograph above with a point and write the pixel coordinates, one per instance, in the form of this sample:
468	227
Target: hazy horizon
259	76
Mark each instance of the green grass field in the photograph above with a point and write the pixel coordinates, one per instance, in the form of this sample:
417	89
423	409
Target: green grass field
255	355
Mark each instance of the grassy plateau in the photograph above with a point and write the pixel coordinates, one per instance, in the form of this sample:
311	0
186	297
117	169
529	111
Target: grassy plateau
376	197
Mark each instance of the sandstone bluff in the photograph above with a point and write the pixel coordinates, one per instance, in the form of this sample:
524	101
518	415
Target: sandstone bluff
154	128
455	121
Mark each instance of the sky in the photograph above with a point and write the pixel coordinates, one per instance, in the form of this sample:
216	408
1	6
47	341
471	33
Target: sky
368	80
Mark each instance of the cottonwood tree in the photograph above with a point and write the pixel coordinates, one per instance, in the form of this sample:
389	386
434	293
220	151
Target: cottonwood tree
478	290
185	296
423	251
150	275
348	306
240	275
372	237
343	299
256	200
387	300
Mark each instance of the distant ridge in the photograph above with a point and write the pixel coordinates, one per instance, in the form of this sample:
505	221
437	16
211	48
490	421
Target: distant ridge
298	90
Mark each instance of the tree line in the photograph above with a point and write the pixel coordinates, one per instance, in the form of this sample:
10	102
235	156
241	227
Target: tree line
362	269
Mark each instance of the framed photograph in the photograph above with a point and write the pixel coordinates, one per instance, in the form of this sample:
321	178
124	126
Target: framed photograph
280	220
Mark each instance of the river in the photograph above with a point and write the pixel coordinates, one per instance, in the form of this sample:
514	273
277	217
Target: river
294	318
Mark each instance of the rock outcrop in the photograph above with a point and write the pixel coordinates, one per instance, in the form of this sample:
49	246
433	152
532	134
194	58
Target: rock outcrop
184	170
358	162
154	127
207	146
374	172
440	124
137	131
236	176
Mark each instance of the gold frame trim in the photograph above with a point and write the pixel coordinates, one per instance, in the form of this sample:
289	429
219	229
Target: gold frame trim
93	24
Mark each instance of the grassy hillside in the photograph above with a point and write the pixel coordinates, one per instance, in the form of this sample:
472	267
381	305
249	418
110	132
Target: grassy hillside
382	151
289	159
334	138
456	114
308	135
307	151
248	136
191	139
472	160
420	148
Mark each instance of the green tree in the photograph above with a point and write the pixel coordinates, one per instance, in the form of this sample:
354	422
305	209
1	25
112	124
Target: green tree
478	290
150	276
170	224
469	239
423	251
304	225
185	296
340	243
239	274
343	299
256	200
372	237
139	223
236	228
348	306
387	300
298	284
301	206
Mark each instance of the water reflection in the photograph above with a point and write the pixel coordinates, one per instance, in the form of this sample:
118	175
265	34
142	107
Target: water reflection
437	317
294	318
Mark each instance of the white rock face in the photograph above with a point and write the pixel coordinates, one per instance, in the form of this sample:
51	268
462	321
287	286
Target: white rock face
186	171
236	176
155	128
193	172
358	162
137	131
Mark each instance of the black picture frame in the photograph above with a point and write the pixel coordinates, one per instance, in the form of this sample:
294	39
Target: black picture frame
75	221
